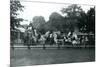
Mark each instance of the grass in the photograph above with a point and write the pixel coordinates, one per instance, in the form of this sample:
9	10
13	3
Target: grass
37	56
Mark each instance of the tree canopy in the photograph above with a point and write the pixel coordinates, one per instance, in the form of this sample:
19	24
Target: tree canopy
75	20
91	20
87	21
73	13
56	20
15	6
38	21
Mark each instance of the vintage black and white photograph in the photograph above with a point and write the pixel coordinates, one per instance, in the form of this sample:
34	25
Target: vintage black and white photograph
44	33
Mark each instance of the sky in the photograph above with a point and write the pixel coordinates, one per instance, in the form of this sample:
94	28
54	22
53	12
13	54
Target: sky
32	9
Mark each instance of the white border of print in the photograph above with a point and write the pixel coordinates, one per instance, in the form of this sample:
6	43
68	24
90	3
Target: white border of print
4	33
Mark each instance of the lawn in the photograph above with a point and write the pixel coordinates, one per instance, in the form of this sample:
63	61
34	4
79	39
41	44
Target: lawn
38	56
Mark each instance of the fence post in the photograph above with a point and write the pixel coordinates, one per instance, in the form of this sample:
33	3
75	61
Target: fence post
12	46
58	45
29	44
44	46
29	47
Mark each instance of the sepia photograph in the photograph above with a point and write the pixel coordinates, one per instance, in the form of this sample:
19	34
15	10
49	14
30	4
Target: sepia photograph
43	33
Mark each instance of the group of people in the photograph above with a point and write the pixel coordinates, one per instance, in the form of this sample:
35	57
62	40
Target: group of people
51	37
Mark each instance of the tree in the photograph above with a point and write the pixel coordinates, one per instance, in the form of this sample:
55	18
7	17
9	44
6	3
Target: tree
73	13
87	21
83	22
38	22
56	21
91	20
15	6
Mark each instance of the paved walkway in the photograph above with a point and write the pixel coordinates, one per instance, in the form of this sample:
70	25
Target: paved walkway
52	46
